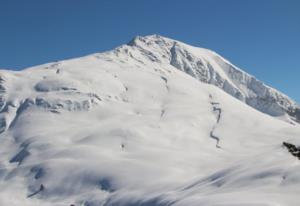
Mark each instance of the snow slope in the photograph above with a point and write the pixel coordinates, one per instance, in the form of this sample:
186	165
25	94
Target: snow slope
209	67
125	128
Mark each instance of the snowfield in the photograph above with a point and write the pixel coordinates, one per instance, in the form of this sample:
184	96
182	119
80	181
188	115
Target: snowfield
155	122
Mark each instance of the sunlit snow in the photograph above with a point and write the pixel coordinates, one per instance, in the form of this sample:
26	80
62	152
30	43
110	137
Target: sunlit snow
145	124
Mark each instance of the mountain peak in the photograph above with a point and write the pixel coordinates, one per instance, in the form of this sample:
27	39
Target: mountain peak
209	67
151	40
147	38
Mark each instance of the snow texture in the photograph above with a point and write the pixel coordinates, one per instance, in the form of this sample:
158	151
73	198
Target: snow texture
150	123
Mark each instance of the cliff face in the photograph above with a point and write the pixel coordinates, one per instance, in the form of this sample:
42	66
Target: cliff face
295	112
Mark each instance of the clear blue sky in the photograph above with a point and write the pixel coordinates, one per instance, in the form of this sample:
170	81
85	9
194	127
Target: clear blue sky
260	36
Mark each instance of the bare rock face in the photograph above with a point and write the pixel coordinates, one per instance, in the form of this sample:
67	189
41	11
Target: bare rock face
298	114
295	151
294	113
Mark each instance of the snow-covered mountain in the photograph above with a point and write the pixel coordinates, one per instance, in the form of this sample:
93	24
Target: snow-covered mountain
136	126
209	67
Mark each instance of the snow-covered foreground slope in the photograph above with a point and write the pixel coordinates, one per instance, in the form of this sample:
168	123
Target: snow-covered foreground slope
119	129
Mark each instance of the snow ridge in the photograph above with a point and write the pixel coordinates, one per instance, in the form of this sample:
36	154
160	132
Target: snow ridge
211	68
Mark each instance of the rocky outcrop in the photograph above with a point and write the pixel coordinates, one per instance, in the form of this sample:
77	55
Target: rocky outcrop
295	112
295	151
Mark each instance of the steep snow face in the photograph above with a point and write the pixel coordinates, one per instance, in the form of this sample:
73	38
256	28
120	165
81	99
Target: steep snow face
209	67
126	128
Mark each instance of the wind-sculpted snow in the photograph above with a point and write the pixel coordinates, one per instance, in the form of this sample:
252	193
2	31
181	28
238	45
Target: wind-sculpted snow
127	128
54	85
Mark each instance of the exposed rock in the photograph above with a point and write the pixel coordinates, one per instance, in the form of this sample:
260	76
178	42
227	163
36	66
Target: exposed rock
295	151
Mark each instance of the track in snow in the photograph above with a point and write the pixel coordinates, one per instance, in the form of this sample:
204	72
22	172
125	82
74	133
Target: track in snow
218	111
165	80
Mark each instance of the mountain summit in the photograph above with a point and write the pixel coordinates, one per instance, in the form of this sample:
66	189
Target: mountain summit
209	67
153	122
